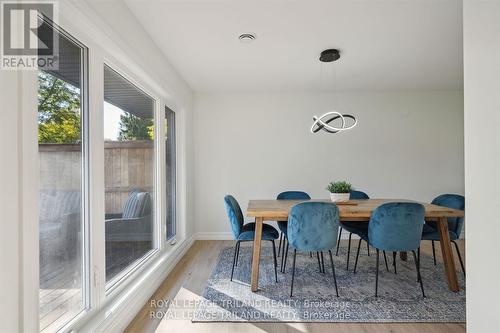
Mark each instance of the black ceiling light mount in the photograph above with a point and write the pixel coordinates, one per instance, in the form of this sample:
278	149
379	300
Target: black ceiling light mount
329	55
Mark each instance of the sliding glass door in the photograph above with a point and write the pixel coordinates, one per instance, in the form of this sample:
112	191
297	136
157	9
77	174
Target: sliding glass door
129	153
62	193
139	180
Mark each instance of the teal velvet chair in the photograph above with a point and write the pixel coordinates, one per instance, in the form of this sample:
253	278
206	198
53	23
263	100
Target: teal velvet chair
353	227
455	224
282	225
396	227
313	227
246	232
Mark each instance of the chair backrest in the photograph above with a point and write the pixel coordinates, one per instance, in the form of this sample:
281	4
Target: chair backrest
358	195
293	195
455	201
234	214
396	226
55	204
138	204
313	226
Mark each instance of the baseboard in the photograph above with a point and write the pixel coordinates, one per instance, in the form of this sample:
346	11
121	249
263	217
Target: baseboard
120	313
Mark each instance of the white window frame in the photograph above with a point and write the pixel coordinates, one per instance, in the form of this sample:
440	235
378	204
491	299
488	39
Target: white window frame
32	191
157	244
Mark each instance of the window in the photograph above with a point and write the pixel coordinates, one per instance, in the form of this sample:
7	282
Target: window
129	173
62	195
170	172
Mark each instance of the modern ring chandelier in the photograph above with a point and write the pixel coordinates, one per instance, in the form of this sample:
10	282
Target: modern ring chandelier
323	122
333	121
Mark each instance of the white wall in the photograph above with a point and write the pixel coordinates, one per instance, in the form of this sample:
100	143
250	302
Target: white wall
406	145
482	163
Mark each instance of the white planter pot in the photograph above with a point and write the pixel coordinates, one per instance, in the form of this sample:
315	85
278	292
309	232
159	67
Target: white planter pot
339	197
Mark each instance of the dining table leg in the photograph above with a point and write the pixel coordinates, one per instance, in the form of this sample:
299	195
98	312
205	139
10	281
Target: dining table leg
256	253
449	263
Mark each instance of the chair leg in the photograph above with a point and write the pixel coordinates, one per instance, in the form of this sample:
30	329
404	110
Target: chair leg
293	271
433	253
275	262
418	259
279	246
419	277
234	259
274	253
338	242
394	262
334	275
376	275
319	262
286	257
285	241
368	248
385	259
322	262
459	257
237	253
357	256
348	250
283	256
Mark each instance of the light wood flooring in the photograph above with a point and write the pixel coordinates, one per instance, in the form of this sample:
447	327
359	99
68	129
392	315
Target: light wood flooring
187	281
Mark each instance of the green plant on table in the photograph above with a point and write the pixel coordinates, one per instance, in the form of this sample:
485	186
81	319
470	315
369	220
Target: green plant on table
339	187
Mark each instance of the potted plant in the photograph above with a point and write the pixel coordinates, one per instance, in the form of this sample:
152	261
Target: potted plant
339	191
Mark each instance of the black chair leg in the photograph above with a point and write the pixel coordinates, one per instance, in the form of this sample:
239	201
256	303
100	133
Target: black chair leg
322	262
237	253
319	262
234	259
433	253
286	256
334	275
275	262
418	258
376	275
368	248
394	261
459	257
293	271
279	246
385	259
283	256
349	250
419	277
338	242
357	256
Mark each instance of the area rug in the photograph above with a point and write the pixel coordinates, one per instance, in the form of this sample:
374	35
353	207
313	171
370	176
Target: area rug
314	298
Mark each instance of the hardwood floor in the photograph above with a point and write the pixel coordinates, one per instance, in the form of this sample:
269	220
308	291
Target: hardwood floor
187	281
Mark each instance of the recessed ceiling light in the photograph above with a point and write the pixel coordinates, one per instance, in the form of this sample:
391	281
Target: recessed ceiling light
247	37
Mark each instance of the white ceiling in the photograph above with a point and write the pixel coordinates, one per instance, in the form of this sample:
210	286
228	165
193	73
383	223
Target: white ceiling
385	44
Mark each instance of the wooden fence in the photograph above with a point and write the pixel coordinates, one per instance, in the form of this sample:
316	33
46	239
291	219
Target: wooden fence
128	165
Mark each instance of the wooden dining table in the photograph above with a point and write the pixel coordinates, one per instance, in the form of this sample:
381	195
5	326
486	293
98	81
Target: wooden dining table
353	210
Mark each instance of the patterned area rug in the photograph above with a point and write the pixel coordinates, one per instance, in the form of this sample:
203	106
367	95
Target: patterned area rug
314	299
